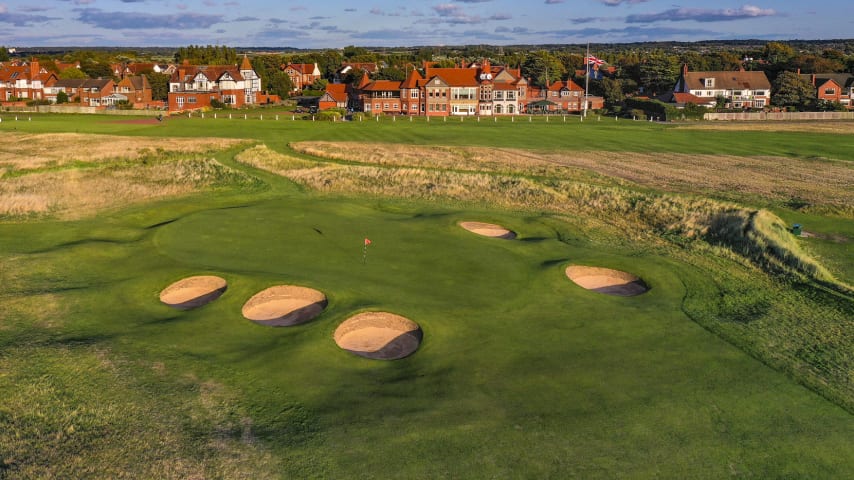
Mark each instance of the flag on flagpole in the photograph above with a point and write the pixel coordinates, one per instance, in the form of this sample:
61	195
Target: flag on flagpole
591	60
367	241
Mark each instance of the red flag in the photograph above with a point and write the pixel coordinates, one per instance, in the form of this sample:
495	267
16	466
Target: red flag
367	241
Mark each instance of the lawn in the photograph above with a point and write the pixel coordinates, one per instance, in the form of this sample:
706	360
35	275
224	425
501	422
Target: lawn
521	373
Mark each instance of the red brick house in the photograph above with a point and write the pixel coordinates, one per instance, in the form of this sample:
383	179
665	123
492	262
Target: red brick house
302	75
833	87
25	81
136	89
335	97
477	89
192	87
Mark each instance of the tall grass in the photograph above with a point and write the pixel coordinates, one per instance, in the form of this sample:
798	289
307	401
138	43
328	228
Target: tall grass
817	184
77	193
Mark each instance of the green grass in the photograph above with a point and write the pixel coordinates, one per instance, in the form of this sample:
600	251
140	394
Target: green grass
521	374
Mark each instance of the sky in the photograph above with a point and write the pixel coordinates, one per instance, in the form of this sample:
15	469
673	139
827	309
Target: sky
336	24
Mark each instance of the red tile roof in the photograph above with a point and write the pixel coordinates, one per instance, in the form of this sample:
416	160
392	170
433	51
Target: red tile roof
455	77
338	91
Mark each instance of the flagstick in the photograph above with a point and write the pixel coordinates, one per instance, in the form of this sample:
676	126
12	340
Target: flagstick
365	255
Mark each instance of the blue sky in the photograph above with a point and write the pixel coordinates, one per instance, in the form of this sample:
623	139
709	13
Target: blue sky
335	24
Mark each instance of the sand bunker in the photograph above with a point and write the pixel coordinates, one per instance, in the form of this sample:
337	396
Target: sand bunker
607	281
193	292
284	305
379	335
489	230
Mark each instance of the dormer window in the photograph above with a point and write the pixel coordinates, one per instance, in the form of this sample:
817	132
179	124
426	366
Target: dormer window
709	82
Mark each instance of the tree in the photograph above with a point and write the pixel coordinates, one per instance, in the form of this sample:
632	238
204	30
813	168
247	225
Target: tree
159	86
776	52
659	72
4	54
612	91
391	73
72	72
280	84
543	68
96	69
61	97
790	90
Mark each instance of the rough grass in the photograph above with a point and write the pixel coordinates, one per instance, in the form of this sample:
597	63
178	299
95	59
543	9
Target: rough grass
816	183
77	193
58	420
844	127
25	151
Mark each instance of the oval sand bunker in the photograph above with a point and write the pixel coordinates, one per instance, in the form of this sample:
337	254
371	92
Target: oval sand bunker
489	230
193	292
607	281
379	335
284	305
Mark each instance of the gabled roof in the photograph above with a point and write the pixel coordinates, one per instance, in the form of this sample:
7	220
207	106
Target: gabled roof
567	85
138	82
382	86
412	79
367	67
845	80
303	68
338	91
737	80
455	77
685	98
213	72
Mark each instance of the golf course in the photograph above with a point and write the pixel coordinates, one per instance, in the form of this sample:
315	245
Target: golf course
270	296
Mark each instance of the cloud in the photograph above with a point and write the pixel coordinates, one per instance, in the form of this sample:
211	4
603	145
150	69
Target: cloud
615	3
702	15
139	21
22	19
246	19
553	2
128	1
635	34
349	9
473	1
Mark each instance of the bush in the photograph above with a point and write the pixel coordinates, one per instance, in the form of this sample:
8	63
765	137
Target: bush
217	104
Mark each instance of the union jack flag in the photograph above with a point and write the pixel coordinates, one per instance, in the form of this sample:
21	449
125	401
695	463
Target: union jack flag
591	60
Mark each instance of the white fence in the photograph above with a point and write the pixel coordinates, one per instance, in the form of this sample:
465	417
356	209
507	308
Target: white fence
780	116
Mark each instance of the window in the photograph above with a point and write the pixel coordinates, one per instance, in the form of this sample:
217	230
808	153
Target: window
385	106
510	109
511	95
405	107
759	104
376	106
180	101
709	82
830	91
760	93
191	99
498	109
413	94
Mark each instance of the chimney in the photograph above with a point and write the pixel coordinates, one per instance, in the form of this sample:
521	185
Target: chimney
799	71
684	69
182	73
812	78
34	69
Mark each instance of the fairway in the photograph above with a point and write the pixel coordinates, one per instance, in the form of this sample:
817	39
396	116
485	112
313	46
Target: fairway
504	367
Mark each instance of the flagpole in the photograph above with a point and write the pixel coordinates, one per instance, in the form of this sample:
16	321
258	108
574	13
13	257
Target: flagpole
586	77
